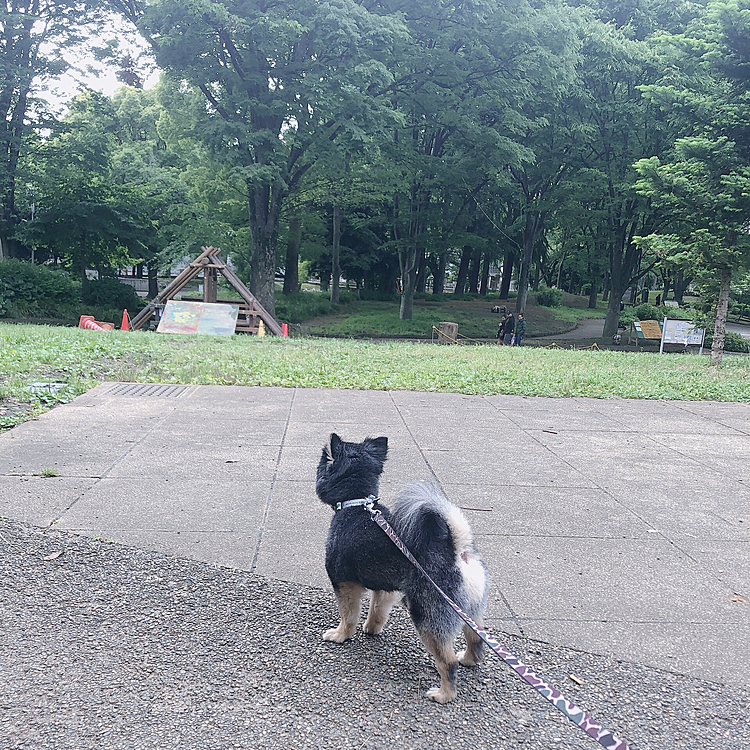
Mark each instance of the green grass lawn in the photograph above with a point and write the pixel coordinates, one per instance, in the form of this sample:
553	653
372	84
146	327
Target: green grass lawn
81	359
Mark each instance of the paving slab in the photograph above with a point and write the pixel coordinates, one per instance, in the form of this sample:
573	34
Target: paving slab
619	527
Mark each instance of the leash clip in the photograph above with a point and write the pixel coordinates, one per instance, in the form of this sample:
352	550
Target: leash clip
370	505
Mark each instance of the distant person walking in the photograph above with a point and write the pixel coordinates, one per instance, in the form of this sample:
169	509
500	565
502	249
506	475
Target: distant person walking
510	326
501	330
520	329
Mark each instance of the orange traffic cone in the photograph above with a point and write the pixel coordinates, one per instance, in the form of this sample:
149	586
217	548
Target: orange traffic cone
125	321
87	321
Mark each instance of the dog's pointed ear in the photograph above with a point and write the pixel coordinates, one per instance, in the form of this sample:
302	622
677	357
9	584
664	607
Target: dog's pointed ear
335	443
378	447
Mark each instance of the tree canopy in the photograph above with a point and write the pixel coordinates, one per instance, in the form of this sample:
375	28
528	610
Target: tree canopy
403	145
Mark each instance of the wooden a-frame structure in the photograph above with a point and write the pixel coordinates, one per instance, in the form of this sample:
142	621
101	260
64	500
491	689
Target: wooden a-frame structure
211	264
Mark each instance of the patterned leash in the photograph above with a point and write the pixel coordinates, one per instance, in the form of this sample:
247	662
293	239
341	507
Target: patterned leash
577	715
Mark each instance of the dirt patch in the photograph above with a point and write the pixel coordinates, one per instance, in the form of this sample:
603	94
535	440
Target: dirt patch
14	412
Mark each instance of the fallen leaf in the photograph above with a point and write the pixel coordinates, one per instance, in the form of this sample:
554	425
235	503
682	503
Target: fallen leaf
54	555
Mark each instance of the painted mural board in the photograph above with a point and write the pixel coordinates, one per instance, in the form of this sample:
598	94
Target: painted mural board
198	317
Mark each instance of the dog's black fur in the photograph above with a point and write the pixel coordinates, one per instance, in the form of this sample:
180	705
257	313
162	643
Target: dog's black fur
360	556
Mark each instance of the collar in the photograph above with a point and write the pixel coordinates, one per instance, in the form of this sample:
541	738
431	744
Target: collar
369	500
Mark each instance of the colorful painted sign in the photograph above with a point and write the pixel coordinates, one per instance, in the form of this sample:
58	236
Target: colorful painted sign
198	317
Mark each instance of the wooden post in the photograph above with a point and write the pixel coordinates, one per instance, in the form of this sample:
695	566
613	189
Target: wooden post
210	287
447	333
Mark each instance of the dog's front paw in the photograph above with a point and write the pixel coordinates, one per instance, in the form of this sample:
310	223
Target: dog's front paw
440	695
335	635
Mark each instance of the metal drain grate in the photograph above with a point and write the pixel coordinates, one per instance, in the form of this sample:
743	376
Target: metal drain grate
150	390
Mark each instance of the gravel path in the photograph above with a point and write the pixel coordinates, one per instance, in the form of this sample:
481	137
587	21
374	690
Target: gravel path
105	646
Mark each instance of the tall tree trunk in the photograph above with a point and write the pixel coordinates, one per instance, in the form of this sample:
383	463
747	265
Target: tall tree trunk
408	262
474	269
335	263
291	270
592	294
531	232
720	323
421	273
153	280
463	270
264	210
667	278
484	281
509	261
439	274
680	285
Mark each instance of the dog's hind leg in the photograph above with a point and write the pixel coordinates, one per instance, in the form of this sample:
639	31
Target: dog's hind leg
349	596
474	651
447	666
381	604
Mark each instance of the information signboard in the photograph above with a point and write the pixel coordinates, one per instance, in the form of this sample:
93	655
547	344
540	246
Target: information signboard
198	317
682	332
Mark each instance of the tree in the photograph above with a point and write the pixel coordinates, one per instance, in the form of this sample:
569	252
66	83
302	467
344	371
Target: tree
276	77
34	37
706	189
82	215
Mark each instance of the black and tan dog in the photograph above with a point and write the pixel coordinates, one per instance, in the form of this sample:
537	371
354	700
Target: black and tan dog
359	556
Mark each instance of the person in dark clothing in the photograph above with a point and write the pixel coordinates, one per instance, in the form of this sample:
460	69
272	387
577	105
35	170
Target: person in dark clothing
510	326
520	329
501	330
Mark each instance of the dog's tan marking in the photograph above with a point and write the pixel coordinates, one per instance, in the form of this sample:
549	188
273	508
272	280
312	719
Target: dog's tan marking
381	603
474	651
447	666
349	597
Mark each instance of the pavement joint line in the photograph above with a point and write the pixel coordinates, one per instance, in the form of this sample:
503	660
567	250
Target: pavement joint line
262	528
416	442
696	564
717	421
132	447
442	489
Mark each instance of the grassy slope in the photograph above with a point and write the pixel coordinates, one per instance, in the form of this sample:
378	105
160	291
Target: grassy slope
474	317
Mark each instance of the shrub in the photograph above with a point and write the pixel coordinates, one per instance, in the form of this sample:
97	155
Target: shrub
627	316
649	312
376	295
733	342
547	297
27	289
111	293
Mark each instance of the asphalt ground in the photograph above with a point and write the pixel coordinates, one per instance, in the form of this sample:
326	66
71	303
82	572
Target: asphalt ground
163	586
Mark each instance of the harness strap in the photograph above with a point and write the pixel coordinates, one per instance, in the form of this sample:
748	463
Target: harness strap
577	715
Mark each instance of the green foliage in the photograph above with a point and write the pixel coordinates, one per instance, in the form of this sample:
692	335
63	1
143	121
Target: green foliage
649	312
733	342
294	308
111	293
627	316
30	290
548	297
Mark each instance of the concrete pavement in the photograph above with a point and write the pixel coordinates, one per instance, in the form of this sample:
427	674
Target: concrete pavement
617	527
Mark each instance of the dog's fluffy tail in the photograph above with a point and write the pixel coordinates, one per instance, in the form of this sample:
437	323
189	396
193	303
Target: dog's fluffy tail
437	533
